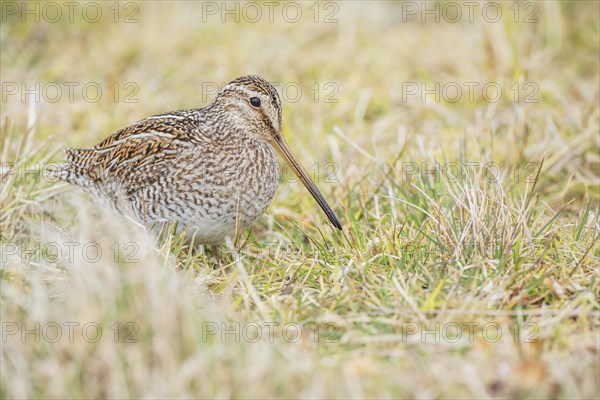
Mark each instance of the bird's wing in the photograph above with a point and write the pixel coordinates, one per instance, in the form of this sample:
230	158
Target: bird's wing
134	155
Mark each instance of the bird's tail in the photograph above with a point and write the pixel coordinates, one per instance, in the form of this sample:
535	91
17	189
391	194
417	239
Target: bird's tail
59	171
71	171
65	172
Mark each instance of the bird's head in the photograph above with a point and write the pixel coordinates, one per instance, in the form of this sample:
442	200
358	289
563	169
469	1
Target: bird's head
254	104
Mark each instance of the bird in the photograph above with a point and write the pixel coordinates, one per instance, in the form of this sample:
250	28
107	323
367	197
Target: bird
212	171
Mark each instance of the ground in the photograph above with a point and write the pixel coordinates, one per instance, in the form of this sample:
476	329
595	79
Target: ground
457	142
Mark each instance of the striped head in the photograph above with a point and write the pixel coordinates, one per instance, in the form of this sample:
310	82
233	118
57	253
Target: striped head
253	105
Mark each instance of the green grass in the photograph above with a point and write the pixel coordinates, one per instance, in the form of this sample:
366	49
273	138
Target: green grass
468	262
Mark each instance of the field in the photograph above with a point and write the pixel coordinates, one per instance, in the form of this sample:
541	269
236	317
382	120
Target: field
459	143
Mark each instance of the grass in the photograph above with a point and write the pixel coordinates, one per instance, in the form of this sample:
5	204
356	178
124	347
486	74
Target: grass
468	263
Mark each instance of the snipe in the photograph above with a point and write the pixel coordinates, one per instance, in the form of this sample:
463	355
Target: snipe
211	170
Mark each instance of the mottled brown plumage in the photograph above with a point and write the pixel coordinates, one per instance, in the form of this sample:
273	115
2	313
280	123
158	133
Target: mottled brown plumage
212	170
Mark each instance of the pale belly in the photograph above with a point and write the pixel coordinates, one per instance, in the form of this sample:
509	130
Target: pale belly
213	224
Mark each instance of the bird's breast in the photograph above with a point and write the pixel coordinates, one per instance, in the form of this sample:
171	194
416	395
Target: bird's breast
213	190
257	175
233	182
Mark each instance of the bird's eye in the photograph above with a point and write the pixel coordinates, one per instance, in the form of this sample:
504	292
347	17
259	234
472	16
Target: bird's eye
255	101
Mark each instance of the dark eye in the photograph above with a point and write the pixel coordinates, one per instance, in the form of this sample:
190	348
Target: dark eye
255	101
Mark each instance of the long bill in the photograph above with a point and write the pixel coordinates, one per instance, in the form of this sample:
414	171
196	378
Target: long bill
283	149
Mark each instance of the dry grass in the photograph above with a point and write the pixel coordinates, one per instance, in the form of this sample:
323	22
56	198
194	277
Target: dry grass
462	220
